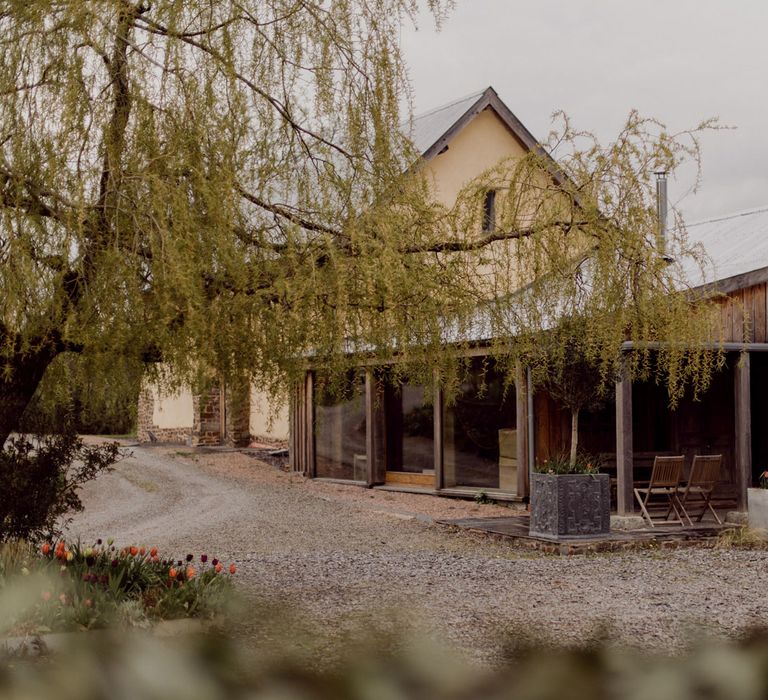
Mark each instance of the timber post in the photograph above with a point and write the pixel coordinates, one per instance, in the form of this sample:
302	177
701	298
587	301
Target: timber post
743	428
521	417
624	447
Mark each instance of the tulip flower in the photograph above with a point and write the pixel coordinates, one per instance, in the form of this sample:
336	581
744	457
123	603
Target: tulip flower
172	572
46	595
191	572
153	552
189	557
134	551
218	567
88	602
142	551
46	548
203	558
70	556
232	568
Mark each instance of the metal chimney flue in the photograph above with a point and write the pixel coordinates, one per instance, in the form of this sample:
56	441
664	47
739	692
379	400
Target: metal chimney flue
661	212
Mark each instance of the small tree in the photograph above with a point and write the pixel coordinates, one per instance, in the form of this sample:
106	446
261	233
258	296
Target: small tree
577	385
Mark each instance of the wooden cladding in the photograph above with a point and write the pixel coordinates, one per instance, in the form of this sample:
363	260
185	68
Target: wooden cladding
745	307
301	445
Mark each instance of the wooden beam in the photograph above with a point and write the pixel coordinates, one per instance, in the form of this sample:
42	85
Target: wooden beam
370	451
521	423
437	413
310	468
624	449
743	428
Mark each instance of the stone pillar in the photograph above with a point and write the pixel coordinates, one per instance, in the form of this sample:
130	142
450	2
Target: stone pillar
206	430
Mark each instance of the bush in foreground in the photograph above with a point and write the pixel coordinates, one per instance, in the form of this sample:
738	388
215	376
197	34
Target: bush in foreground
39	479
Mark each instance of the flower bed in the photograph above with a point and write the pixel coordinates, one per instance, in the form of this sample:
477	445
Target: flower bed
102	585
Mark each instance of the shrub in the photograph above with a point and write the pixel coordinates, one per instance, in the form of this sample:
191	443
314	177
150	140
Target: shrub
39	478
561	464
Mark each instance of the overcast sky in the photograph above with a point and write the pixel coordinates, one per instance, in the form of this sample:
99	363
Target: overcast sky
680	61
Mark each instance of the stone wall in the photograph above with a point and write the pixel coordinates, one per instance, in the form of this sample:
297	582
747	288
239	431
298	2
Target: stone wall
207	411
147	431
207	416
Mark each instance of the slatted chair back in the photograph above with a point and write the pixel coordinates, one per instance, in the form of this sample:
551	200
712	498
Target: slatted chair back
705	471
666	472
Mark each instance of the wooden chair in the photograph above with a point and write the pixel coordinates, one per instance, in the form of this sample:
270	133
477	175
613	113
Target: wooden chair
664	483
705	474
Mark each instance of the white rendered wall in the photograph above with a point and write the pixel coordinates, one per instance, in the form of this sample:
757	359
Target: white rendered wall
172	410
262	411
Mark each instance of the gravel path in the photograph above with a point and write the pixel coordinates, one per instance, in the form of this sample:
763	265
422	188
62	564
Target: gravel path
337	557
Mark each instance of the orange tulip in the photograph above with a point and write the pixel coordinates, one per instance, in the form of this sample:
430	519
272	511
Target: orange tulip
69	556
172	572
134	551
142	551
218	568
191	572
153	552
232	568
46	548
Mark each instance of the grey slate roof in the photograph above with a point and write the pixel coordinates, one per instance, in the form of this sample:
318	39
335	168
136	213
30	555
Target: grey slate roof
736	244
427	128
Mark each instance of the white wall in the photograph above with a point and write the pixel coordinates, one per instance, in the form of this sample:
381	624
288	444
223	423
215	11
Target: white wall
268	420
172	410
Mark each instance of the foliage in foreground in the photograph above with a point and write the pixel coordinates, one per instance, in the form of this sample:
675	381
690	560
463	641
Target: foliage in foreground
40	476
380	665
97	586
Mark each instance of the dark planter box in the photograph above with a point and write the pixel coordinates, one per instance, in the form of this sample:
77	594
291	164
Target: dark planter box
570	506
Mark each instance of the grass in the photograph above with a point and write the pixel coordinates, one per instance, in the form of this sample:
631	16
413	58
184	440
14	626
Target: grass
742	538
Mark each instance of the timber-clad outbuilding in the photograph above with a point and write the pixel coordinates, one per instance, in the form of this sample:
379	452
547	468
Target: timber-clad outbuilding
377	433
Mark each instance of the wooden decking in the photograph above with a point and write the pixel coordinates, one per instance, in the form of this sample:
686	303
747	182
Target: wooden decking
667	536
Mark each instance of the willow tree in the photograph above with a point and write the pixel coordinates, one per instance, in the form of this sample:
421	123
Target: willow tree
216	185
228	185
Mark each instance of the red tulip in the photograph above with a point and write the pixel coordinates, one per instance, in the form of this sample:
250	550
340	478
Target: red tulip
232	568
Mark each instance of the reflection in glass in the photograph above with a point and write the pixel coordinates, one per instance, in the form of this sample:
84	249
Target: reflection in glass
340	429
410	430
480	439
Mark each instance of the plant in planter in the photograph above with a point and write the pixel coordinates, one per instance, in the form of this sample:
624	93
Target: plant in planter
570	498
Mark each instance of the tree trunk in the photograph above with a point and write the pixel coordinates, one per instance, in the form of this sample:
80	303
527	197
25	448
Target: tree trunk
17	390
574	434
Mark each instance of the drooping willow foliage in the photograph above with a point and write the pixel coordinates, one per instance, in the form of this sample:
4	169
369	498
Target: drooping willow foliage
579	266
203	182
227	187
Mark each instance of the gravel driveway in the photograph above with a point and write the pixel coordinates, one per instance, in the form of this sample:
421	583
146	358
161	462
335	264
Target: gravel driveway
337	557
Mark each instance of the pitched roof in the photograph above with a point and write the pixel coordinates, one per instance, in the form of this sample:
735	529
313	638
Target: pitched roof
429	127
737	245
431	131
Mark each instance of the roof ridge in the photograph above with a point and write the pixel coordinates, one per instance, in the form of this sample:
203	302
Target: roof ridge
453	103
727	217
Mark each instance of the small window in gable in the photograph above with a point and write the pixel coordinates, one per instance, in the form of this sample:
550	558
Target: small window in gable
489	211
